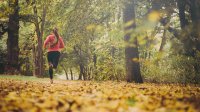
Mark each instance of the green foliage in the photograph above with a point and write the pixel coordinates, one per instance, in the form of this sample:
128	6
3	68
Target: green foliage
169	68
94	28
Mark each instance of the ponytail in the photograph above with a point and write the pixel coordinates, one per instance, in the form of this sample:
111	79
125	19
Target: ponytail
55	32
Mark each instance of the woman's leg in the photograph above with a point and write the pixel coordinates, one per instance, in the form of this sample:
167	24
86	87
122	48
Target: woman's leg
50	61
53	58
56	59
51	70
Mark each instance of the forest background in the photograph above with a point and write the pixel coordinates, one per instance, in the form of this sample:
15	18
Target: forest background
153	40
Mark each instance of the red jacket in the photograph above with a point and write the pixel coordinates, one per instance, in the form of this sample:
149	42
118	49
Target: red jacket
49	40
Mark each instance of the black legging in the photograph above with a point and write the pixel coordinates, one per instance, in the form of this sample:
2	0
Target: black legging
53	59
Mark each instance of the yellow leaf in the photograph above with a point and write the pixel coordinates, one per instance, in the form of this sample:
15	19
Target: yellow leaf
154	16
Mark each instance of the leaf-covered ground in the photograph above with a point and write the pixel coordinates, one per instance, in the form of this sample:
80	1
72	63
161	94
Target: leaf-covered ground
87	96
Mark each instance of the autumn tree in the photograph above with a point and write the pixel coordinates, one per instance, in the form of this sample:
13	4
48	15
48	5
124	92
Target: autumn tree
190	25
38	50
13	37
131	50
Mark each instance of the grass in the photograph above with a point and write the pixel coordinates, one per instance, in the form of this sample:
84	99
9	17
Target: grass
20	77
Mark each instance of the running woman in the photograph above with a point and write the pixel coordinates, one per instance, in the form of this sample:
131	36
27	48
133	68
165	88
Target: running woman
53	43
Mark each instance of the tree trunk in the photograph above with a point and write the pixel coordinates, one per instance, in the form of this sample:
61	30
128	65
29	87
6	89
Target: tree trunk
65	72
185	37
71	74
182	16
94	70
66	75
195	33
28	69
39	31
34	59
13	38
164	38
131	51
82	74
89	74
195	16
190	35
166	27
